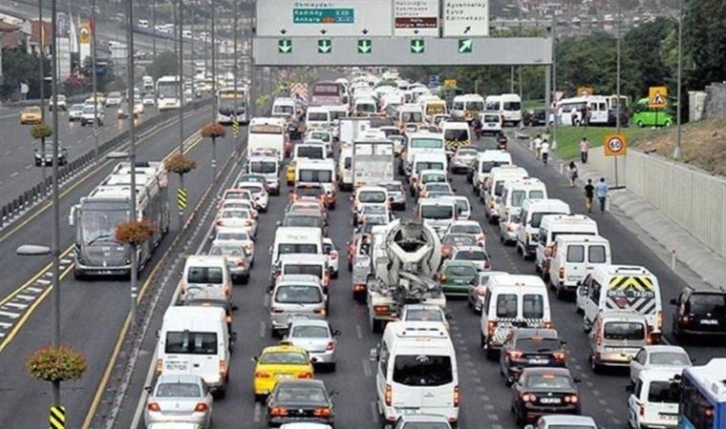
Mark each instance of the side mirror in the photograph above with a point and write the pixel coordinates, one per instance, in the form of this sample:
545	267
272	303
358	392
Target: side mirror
148	389
73	214
373	355
336	333
674	301
449	316
509	382
254	359
158	333
314	359
235	308
693	360
333	393
453	189
278	223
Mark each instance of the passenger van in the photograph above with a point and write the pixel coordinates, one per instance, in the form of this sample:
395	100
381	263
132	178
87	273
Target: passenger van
512	301
652	401
493	195
290	239
433	106
464	106
573	256
456	134
317	117
427	161
615	339
284	107
204	272
438	214
508	106
422	142
514	194
364	106
483	165
553	226
530	218
409	114
345	169
416	370
310	151
570	110
195	340
623	288
491	123
314	265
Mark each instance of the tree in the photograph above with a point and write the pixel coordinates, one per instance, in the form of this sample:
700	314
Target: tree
704	39
643	61
165	64
41	132
21	67
587	61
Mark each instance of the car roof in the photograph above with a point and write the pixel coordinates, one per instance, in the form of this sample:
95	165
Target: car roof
569	419
664	348
309	322
536	332
298	279
250	183
178	378
301	383
422	307
422	417
546	370
462	249
283	348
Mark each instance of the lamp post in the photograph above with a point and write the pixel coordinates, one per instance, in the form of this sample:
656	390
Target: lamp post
677	150
617	78
94	80
214	67
132	148
181	77
41	38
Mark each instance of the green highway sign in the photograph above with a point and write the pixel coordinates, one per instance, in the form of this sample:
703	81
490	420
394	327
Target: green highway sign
417	46
365	46
465	46
325	46
284	46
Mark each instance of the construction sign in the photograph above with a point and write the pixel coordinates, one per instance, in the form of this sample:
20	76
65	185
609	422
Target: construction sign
585	91
615	145
657	97
450	82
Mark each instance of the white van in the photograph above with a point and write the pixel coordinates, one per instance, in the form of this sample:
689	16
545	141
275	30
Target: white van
485	162
512	301
493	195
570	110
409	114
437	213
553	226
317	117
195	340
456	134
418	143
203	272
364	106
514	194
427	161
652	401
292	239
284	107
433	106
491	123
345	169
573	256
416	370
509	106
464	106
310	150
530	219
623	288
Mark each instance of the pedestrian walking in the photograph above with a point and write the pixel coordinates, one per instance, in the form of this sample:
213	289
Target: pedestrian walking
537	146
572	169
601	190
589	195
545	151
584	150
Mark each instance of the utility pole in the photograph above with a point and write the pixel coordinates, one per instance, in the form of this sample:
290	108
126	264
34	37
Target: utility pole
236	76
153	27
553	143
41	37
214	66
617	80
94	79
132	149
677	150
191	50
181	76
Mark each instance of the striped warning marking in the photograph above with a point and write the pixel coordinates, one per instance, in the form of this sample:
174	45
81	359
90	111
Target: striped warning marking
235	126
181	198
57	417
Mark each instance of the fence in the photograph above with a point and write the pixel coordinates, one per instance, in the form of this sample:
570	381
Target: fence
693	199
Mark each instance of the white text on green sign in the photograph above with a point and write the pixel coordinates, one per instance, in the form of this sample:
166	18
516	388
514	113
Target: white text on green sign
465	46
323	16
417	46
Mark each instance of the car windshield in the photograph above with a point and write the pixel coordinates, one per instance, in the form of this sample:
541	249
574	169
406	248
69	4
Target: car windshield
422	370
624	331
310	332
178	390
308	191
206	275
426	143
393	188
242	236
263	167
235	214
378	197
471	255
374	209
302	221
255	189
190	342
433	178
547	381
284	358
707	303
437	212
460	240
439	188
298	295
312	269
424	315
571	427
421	166
301	395
467	229
670	359
461	271
227	250
535	344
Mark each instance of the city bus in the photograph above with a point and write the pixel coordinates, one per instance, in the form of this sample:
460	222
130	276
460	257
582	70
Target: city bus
168	95
328	93
232	103
703	396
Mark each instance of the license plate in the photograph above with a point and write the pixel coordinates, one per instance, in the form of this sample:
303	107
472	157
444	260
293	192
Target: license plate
709	322
669	416
538	361
550	400
174	366
284	375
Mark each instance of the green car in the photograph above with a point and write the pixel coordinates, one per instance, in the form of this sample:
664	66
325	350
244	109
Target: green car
456	276
643	116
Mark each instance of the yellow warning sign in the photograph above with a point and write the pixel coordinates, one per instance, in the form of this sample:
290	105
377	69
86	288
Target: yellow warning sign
615	145
85	32
450	82
57	417
235	127
657	97
585	91
181	198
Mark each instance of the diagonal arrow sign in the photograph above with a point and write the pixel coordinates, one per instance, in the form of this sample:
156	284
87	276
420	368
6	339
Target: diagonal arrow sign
365	46
465	46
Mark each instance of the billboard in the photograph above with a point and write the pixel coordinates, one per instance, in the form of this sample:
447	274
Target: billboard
466	18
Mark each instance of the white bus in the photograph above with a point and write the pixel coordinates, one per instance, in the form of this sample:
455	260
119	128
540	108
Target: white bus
167	93
232	104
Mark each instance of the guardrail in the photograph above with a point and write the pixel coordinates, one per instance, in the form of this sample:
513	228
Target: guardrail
39	192
36	101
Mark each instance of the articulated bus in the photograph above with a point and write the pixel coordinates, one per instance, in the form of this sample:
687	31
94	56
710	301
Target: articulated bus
703	396
167	93
231	104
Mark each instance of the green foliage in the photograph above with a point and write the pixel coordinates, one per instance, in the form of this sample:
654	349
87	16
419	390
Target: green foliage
56	364
180	164
41	131
165	64
704	39
21	67
568	138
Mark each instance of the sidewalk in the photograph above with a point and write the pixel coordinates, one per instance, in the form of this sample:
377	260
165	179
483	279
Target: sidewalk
697	265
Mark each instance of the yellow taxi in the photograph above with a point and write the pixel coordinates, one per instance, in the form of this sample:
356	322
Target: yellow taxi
280	362
31	115
290	172
100	98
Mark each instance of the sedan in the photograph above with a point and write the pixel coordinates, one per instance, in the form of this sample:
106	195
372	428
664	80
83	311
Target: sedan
463	159
237	258
396	194
238	217
299	400
31	115
317	338
527	348
470	227
542	391
658	357
74	113
451	241
237	234
421	421
148	100
183	398
47	157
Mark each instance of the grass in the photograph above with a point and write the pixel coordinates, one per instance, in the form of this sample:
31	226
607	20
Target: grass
568	138
532	104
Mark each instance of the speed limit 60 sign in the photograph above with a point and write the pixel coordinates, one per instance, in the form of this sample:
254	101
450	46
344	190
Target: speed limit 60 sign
615	145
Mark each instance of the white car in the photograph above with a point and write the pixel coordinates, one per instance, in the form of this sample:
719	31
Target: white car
232	233
241	218
148	100
192	402
89	116
474	254
424	313
259	194
75	112
470	227
333	256
138	108
659	357
114	99
62	103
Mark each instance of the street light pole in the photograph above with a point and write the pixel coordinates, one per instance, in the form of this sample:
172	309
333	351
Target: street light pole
132	148
94	79
677	150
181	77
214	67
236	76
617	78
41	38
153	31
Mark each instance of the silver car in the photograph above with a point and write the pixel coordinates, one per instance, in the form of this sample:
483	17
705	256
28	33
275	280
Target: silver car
317	338
615	339
463	159
296	296
238	260
182	398
474	254
231	233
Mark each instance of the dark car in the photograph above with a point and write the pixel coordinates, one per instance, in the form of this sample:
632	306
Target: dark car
535	117
543	391
527	348
46	158
295	401
699	314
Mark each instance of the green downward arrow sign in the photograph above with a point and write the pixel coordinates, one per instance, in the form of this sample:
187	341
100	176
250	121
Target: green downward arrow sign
365	46
325	46
417	46
465	46
284	46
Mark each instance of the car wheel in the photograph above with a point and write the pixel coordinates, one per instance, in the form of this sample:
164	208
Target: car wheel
331	367
596	367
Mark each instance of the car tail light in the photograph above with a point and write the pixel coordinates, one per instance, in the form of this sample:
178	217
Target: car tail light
153	406
201	407
262	374
685	320
641	408
548	251
278	411
380	309
514	355
326	279
571	399
487	265
480	291
227	291
457	396
220	223
528	397
491	326
275	310
388	395
248	223
359	287
306	374
559	356
331	346
320	311
548	325
223	368
159	365
322	412
229	320
562	272
659	320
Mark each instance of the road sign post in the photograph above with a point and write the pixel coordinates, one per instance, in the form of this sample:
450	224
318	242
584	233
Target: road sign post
615	145
657	97
418	46
365	46
57	417
181	198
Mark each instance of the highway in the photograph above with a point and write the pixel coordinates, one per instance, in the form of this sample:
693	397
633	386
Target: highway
92	311
486	400
17	165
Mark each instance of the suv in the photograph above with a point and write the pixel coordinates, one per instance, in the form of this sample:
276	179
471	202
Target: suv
47	157
699	313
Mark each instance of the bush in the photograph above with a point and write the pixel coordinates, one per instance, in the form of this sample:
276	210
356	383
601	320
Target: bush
56	364
41	131
180	164
135	232
213	130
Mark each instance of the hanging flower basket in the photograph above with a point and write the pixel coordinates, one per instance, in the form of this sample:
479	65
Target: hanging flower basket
56	364
213	130
41	131
136	232
180	164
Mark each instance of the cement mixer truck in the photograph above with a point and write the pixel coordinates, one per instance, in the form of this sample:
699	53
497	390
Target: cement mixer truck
405	256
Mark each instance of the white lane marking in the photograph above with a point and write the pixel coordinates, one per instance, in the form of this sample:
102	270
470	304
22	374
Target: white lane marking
486	398
494	417
609	411
359	331
603	402
26	297
262	329
5	325
9	314
37	289
258	412
366	368
14	174
66	261
489	407
596	392
17	305
374	412
497	426
266	300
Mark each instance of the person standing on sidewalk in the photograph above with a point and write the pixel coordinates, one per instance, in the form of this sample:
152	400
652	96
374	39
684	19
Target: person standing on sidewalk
602	193
572	173
537	146
584	149
545	151
589	195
